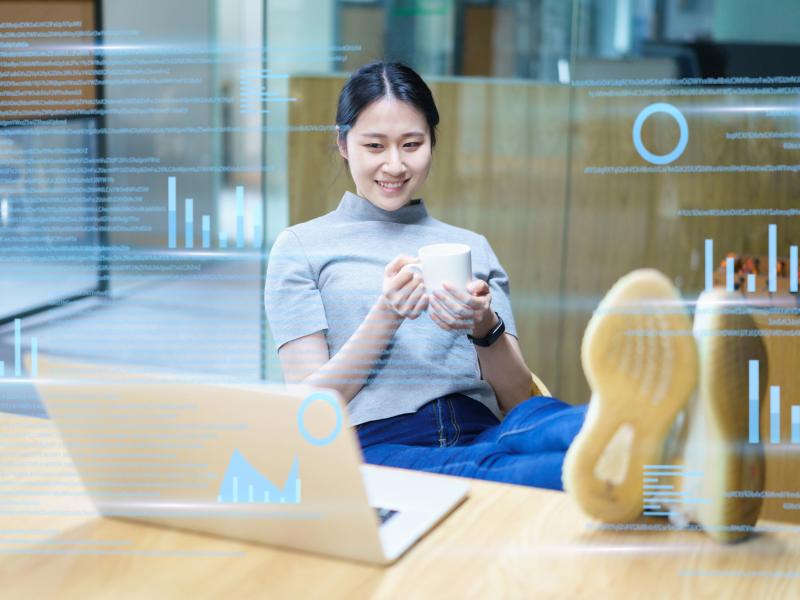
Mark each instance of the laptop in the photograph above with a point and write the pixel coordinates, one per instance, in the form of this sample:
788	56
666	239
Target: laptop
269	464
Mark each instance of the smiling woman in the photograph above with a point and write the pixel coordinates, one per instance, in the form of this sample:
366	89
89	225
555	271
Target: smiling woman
422	369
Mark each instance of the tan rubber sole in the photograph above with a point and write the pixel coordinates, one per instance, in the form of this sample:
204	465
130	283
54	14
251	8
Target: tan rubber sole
639	384
718	438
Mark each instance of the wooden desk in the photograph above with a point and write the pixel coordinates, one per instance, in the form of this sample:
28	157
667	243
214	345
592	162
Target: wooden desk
504	542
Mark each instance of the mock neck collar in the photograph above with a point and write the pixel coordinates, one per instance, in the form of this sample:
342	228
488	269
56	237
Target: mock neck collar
364	210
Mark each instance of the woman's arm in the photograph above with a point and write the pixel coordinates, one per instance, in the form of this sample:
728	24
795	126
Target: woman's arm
306	360
503	366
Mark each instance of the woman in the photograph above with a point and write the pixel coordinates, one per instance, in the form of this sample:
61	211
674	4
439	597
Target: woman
438	382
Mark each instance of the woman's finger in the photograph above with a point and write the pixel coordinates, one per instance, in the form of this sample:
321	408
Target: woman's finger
464	297
415	279
397	263
420	306
423	303
439	321
453	306
401	298
446	316
402	279
478	287
413	298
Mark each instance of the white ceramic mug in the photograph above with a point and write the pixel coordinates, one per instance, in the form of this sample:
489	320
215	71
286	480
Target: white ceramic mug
444	262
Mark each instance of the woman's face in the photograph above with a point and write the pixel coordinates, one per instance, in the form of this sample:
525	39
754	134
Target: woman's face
389	152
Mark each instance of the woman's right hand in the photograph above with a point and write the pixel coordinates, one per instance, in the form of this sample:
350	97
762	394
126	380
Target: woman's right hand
403	288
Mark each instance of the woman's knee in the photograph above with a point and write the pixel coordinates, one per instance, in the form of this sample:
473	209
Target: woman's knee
533	409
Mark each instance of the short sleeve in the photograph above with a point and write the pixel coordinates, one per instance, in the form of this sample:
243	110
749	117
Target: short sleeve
291	297
499	287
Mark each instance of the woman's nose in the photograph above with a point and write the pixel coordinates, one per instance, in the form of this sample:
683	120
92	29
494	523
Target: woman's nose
394	164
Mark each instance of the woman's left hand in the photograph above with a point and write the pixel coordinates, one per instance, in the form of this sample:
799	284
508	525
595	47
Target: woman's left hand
456	309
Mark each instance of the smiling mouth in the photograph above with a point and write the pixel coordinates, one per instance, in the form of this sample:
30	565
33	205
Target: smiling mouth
392	186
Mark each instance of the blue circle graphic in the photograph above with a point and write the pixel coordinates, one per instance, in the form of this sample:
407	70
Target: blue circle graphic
658	159
339	419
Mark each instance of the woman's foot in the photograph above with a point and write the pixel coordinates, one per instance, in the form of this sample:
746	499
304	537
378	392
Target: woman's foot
642	364
640	380
731	469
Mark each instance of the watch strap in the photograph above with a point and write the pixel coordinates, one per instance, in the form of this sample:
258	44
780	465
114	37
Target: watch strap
492	336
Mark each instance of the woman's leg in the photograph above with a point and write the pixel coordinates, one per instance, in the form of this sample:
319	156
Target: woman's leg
488	461
451	436
537	425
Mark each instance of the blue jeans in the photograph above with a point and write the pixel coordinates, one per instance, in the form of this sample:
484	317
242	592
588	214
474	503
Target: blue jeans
456	435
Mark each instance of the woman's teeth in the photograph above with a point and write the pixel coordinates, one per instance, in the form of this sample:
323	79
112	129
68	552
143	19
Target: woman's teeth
391	185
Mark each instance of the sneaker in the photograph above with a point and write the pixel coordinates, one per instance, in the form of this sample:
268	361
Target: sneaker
729	472
641	378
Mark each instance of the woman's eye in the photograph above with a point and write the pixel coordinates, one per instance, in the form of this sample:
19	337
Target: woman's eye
414	144
373	146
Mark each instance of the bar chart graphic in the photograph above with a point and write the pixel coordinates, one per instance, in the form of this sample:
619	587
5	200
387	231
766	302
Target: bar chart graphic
34	349
244	484
662	485
189	222
754	403
775	266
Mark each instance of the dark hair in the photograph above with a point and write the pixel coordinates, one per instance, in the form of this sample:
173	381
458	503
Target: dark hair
378	79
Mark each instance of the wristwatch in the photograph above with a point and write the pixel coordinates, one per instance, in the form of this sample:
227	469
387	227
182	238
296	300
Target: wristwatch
491	337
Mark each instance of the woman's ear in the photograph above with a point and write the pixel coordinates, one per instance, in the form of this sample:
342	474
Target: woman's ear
341	143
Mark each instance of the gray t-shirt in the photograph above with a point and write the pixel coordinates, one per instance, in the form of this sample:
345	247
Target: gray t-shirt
327	273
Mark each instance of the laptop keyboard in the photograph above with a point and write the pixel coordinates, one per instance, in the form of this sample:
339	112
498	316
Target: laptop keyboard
384	514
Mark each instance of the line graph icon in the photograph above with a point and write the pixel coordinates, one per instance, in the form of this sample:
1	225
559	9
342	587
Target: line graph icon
244	484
